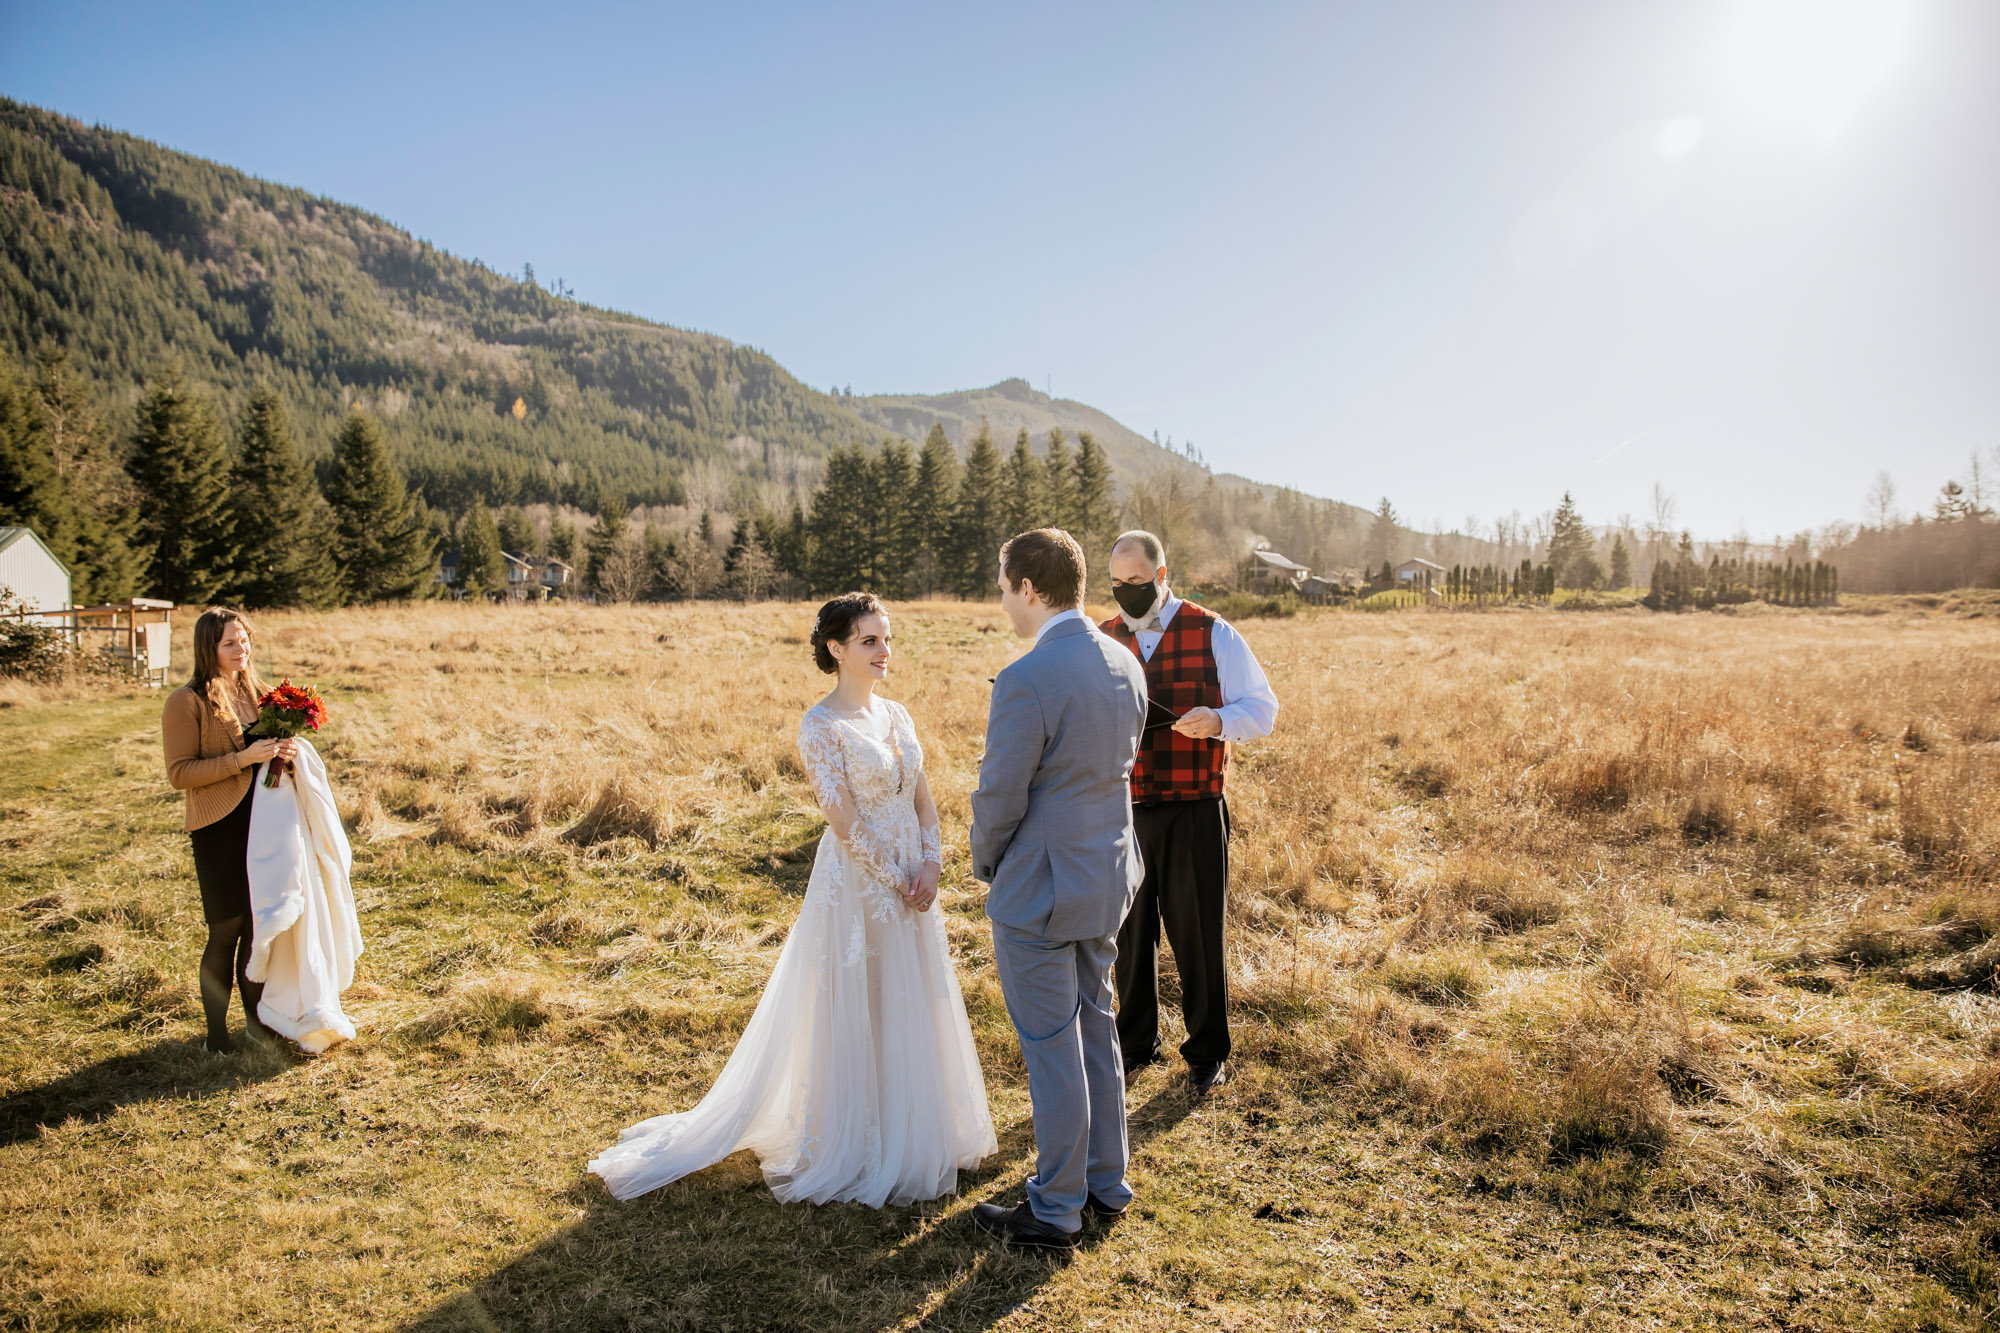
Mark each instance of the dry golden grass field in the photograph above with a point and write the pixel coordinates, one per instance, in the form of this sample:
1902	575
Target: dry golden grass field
1600	971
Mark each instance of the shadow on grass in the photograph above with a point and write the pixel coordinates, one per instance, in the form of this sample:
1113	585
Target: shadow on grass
716	1252
165	1071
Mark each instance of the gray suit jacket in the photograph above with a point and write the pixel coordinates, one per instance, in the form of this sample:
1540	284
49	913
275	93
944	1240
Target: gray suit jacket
1052	819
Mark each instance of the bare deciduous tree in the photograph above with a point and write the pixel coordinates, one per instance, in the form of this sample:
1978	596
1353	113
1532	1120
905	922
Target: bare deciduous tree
1882	501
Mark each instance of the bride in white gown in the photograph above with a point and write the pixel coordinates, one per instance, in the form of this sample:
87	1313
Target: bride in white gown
856	1079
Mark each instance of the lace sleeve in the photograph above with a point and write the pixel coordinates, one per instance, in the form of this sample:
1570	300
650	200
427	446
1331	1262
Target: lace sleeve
826	769
928	830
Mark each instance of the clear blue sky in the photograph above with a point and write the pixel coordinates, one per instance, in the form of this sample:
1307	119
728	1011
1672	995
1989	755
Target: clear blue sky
1467	255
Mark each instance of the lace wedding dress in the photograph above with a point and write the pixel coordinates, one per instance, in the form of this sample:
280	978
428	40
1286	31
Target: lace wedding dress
856	1078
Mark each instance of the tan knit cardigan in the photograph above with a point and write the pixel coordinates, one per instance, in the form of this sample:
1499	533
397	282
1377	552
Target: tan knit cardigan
201	756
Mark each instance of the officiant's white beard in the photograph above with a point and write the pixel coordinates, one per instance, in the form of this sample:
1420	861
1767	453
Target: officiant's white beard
1160	594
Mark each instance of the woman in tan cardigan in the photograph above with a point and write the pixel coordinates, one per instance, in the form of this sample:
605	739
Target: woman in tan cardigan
207	757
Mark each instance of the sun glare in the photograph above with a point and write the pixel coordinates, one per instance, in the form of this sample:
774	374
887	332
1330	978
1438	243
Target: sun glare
1815	63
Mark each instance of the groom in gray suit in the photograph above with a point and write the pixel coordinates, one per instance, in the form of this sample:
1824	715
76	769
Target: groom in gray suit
1052	838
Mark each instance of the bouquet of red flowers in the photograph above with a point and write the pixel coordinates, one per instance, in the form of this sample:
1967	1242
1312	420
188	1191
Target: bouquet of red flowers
288	711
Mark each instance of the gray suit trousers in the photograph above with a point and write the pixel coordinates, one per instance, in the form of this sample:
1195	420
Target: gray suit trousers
1058	994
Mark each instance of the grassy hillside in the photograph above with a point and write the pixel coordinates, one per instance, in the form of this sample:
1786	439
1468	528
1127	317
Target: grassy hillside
1587	973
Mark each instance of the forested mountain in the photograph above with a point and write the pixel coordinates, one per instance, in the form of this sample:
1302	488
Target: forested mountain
134	262
126	255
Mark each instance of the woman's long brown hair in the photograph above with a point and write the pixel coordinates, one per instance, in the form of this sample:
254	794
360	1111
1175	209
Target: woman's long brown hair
208	679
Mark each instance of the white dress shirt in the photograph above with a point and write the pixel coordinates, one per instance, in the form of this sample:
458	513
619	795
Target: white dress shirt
1059	617
1249	709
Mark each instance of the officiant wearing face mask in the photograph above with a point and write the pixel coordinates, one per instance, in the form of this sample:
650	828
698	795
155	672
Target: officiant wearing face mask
1206	692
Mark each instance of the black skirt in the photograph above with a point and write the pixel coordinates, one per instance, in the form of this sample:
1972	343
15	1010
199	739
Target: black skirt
221	857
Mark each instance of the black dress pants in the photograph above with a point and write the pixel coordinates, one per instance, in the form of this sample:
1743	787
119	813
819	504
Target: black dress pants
1185	846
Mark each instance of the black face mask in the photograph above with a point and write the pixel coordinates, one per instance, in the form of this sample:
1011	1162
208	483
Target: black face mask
1136	600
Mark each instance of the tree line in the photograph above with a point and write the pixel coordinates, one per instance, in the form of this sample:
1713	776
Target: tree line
888	518
1956	544
192	509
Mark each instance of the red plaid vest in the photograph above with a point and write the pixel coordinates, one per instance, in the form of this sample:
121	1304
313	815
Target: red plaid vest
1181	675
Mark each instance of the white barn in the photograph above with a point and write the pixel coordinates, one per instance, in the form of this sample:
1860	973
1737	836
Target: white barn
32	574
1417	569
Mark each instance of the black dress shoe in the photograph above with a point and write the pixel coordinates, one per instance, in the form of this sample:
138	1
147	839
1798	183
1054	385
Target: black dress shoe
1099	1209
1020	1226
1204	1079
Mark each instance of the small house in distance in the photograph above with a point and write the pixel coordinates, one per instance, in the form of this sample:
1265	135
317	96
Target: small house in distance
33	576
1333	586
529	577
1272	573
536	576
1418	571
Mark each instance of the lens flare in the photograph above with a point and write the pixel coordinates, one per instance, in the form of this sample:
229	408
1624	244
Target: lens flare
1816	63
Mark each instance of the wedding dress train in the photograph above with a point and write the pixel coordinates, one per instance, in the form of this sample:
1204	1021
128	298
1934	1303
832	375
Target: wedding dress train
305	934
856	1078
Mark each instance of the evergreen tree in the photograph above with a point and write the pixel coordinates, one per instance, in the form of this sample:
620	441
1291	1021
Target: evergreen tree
1023	502
790	544
665	580
1059	484
1382	536
516	533
896	536
932	496
748	565
701	567
843	543
606	537
382	543
31	495
1569	543
978	521
181	468
481	568
58	478
283	527
562	539
1091	512
1621	563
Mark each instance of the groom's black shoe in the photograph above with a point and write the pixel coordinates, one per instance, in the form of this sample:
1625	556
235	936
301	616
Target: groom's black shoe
1020	1226
1097	1208
1204	1079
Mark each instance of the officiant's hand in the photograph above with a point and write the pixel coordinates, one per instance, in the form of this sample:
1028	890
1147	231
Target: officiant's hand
922	889
1200	723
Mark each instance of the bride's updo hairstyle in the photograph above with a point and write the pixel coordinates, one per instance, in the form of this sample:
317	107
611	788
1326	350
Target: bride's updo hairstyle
836	621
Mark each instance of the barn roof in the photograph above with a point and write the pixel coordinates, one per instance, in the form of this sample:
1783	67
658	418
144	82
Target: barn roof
9	535
1277	561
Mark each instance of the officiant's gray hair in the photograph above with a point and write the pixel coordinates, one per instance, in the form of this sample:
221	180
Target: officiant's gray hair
1150	546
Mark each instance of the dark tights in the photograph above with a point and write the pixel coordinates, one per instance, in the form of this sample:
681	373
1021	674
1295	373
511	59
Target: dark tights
227	956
